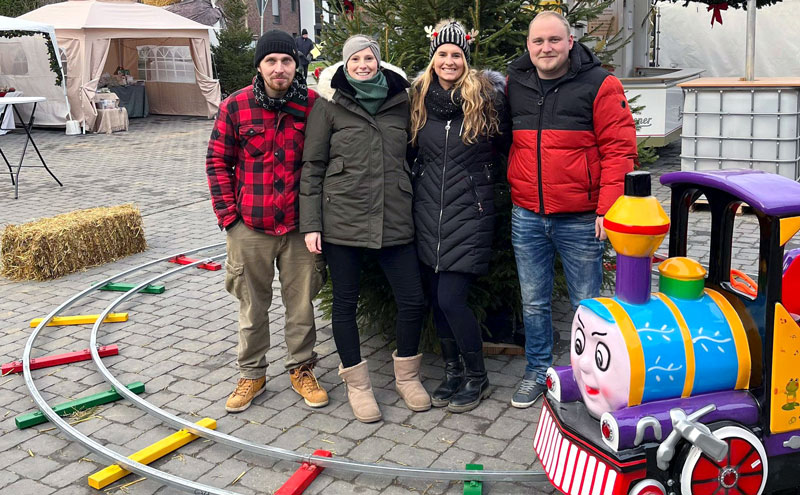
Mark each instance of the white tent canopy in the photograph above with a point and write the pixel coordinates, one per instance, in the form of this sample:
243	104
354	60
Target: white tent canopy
25	66
171	53
687	39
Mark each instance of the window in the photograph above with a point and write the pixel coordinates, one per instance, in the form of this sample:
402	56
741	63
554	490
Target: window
294	5
13	60
166	64
276	11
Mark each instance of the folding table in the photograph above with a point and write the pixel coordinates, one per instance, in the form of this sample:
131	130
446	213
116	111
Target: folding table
12	102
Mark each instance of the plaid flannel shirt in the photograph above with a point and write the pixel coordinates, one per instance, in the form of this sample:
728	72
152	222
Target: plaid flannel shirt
253	164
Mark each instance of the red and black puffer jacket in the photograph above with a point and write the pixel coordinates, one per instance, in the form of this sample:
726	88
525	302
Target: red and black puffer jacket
573	145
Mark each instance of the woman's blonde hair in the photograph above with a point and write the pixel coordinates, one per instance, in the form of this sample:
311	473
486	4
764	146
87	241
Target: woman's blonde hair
480	115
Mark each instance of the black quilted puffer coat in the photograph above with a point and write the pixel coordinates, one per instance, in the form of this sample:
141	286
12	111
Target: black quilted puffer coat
454	191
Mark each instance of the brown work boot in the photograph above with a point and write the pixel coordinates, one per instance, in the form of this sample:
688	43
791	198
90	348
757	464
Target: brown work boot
246	391
305	383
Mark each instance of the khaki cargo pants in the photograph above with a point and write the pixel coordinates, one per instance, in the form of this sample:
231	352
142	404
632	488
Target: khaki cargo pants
252	258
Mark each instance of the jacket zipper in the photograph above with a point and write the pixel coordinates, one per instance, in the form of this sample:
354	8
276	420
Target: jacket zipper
589	174
441	198
539	153
475	195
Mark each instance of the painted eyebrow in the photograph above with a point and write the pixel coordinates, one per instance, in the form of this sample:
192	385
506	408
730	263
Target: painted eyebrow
601	334
581	322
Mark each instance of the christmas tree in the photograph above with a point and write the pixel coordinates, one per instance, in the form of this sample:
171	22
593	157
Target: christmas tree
233	57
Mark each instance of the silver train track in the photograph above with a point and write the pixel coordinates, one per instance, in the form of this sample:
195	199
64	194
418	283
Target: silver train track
383	470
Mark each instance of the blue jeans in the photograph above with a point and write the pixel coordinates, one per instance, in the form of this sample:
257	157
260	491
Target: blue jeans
536	239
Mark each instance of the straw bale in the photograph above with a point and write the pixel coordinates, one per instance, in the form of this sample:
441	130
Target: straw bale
49	248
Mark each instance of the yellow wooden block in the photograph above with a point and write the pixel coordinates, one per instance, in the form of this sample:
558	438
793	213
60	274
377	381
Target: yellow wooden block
148	454
81	319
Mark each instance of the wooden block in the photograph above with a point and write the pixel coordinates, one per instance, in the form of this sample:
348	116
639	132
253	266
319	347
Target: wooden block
70	357
148	454
36	418
183	260
148	289
303	477
81	319
472	487
497	348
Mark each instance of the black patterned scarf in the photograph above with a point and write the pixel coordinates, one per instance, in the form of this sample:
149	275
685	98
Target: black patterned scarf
294	102
443	103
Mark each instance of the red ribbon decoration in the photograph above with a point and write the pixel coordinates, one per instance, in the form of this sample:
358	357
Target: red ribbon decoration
717	14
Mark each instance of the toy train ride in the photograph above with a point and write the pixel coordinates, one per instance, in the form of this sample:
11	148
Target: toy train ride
692	389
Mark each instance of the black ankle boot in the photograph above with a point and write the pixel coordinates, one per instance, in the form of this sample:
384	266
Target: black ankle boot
475	386
453	373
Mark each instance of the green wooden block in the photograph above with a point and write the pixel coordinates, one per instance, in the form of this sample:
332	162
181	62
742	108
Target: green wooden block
148	289
36	418
473	487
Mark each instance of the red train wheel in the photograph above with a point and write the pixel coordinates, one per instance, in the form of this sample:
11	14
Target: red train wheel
742	472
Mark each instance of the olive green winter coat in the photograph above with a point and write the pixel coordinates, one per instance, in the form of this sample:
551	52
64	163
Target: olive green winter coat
355	186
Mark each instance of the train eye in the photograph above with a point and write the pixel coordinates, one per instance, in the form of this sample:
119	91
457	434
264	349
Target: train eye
602	356
580	341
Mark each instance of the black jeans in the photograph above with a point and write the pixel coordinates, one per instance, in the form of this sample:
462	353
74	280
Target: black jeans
399	264
453	318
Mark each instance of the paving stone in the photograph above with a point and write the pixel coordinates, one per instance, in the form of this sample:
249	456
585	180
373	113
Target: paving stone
34	467
401	434
371	449
28	486
505	428
75	472
411	456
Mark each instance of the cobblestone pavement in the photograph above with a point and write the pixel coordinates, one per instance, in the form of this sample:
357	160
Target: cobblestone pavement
182	344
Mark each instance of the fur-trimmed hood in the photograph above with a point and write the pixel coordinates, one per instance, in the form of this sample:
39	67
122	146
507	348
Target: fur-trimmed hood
325	85
497	80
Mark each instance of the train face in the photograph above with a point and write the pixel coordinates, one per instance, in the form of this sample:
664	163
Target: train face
625	354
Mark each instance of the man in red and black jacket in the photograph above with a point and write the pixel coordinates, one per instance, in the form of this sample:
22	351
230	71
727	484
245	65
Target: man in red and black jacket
253	166
573	142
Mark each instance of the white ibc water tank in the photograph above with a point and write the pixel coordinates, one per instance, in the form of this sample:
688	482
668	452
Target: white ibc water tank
745	125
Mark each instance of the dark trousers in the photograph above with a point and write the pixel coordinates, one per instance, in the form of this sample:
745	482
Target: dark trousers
304	69
400	265
453	318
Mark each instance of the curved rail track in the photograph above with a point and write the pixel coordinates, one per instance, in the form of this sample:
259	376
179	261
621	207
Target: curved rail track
383	470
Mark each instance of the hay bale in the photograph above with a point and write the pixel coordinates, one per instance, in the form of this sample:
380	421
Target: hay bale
52	247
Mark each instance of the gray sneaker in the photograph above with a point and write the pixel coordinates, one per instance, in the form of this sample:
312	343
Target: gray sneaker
527	393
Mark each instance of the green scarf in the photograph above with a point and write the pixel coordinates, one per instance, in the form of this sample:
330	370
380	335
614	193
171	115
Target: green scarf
370	93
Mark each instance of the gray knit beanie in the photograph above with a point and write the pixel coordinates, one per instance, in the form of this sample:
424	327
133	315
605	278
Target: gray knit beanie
358	42
452	33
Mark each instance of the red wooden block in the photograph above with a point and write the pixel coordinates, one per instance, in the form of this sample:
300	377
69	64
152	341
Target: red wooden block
303	477
70	357
183	260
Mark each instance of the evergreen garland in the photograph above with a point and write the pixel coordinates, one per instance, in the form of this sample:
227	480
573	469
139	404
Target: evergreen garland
14	33
736	4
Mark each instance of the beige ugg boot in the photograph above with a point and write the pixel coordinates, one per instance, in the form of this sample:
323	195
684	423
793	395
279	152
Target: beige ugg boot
359	392
410	389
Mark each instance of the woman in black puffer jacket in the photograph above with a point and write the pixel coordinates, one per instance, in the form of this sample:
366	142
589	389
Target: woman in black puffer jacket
458	125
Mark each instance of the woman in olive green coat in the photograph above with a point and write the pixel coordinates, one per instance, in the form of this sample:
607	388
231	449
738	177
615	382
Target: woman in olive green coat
355	199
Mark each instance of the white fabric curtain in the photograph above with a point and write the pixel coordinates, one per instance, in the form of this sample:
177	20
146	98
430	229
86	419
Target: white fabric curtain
202	71
97	54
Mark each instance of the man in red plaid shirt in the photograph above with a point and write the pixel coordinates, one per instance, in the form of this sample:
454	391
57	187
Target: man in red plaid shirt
253	166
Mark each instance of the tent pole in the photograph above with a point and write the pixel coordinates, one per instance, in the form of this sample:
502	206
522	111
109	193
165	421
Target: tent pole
750	53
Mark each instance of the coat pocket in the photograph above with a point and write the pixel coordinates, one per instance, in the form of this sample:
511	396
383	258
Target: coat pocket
334	174
404	183
252	139
234	280
475	196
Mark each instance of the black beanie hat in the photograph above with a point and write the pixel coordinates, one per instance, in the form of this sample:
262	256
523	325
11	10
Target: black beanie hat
450	32
275	41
